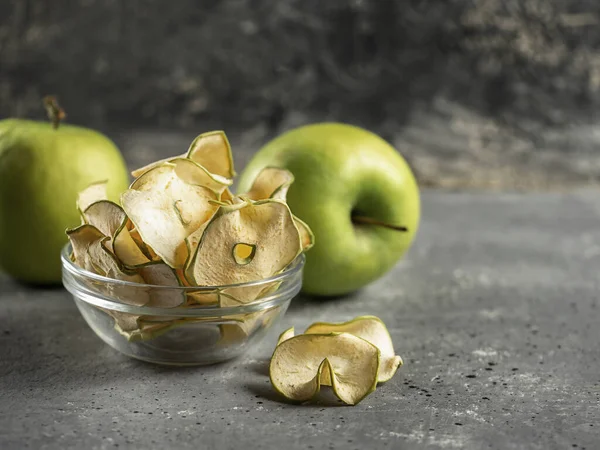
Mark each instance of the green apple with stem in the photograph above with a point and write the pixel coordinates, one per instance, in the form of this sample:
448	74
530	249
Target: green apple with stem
43	166
355	191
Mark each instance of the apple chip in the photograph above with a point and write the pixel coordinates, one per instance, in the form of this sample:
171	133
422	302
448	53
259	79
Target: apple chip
203	298
271	182
188	171
196	174
91	253
159	274
166	210
371	329
307	238
85	242
287	334
226	196
91	194
131	252
137	328
244	242
211	150
200	297
245	325
135	235
107	217
301	364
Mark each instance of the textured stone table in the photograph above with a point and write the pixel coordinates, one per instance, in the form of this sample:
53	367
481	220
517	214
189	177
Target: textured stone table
495	312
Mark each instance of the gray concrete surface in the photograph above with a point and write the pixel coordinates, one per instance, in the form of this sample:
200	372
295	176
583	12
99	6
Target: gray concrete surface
495	312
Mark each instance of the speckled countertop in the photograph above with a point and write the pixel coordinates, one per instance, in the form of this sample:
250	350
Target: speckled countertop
495	311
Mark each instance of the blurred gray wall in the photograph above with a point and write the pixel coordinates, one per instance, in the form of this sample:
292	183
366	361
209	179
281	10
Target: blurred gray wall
516	75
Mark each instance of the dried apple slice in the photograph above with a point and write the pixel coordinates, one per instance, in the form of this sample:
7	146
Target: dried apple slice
325	375
106	216
162	275
211	150
196	174
85	241
267	225
270	182
91	194
90	252
301	364
127	250
227	196
203	298
287	334
137	328
307	238
371	329
200	297
166	210
245	325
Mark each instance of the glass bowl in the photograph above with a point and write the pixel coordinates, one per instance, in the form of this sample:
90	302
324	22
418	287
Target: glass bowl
196	334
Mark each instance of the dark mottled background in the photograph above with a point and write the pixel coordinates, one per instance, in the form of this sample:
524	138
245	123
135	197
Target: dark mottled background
497	94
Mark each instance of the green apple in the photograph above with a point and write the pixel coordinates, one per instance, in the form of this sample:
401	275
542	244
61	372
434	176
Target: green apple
357	194
42	168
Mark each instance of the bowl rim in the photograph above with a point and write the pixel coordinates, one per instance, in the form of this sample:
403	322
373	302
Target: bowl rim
104	301
292	268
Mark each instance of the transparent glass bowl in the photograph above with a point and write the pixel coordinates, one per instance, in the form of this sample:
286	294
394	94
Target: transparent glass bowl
191	335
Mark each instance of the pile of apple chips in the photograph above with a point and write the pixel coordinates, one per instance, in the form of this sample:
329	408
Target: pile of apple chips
351	357
178	224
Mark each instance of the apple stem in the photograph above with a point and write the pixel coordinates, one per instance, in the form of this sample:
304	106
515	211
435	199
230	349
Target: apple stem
369	221
55	113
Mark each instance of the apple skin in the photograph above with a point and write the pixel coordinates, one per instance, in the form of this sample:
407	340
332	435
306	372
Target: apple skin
41	172
341	170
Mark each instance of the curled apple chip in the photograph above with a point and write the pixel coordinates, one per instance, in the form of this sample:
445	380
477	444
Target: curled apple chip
91	253
371	329
107	217
85	243
132	252
135	327
307	238
91	194
159	274
166	210
270	182
138	328
266	228
227	196
301	364
211	150
196	174
287	334
243	326
203	298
